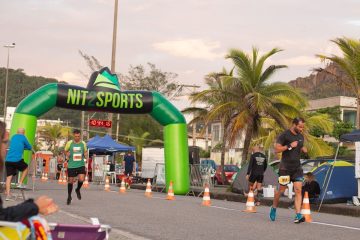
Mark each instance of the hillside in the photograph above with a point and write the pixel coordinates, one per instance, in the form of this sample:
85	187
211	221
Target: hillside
322	85
20	85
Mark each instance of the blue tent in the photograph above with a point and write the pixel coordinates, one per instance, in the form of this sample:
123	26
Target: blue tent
107	144
342	185
92	141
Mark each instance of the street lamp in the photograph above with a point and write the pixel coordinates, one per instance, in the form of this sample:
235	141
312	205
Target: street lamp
7	76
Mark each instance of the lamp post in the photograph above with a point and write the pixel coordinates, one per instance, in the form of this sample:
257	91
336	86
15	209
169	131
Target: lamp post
6	77
113	57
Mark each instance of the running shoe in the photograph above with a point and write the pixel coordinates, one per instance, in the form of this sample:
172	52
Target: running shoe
68	201
299	218
272	213
78	194
21	185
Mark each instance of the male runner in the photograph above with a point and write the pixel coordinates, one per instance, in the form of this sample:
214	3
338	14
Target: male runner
291	144
256	169
76	153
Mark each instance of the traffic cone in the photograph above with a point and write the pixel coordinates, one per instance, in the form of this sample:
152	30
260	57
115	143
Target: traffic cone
107	185
86	182
43	177
60	179
64	180
305	210
122	186
148	192
250	203
170	194
206	198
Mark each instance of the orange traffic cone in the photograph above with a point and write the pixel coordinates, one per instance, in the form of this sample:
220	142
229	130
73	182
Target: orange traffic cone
206	198
122	186
107	185
60	179
64	180
148	192
305	210
250	203
86	182
170	194
43	179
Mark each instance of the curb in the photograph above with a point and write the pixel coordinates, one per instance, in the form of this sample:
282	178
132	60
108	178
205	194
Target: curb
345	210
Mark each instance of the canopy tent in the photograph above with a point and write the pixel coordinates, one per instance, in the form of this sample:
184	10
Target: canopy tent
353	136
92	141
107	144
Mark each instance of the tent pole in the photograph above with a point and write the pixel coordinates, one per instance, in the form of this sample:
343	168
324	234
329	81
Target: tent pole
328	180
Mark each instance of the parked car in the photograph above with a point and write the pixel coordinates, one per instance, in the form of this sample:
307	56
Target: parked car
229	170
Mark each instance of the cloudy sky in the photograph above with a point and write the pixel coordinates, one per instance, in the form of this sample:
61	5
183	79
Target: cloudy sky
188	37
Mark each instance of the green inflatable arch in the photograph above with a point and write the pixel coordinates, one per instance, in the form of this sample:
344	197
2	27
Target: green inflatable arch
103	94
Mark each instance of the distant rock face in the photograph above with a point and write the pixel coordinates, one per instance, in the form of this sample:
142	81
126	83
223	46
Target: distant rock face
322	84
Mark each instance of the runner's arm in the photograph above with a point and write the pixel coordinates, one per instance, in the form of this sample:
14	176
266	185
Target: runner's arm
265	164
250	165
66	150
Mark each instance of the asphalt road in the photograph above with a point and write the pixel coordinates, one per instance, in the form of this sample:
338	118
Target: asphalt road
133	216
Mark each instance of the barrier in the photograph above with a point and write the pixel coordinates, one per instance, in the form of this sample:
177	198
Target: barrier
159	177
199	176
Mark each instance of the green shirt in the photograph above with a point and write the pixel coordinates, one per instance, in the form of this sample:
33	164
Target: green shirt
77	153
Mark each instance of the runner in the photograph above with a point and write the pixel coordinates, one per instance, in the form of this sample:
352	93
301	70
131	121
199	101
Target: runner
76	153
291	144
255	172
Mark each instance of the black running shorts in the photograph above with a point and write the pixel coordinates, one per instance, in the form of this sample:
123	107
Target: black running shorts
296	175
256	178
73	172
13	167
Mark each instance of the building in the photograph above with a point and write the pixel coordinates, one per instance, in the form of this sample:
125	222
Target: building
347	106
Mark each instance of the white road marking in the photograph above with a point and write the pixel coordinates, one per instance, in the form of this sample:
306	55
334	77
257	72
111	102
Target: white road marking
335	225
319	223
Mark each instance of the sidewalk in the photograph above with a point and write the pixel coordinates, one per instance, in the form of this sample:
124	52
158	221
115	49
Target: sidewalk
222	193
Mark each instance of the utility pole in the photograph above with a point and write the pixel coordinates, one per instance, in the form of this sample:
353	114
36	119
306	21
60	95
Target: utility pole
113	56
193	105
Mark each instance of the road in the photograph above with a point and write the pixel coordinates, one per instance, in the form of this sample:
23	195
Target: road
133	216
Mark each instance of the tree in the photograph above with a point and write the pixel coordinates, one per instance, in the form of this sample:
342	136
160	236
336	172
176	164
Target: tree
254	97
53	133
218	107
350	64
155	80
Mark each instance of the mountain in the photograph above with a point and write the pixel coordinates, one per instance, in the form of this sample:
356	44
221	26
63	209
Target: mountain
322	84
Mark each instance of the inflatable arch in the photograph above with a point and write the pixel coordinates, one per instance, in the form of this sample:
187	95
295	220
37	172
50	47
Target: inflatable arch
103	94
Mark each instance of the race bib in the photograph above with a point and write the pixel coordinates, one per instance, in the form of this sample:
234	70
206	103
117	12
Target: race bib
77	154
284	180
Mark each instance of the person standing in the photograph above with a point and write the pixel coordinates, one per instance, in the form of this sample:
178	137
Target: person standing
29	208
76	153
14	160
291	144
256	169
129	163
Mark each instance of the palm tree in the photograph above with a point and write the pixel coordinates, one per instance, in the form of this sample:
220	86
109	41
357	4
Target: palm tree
53	133
350	64
316	146
218	107
254	97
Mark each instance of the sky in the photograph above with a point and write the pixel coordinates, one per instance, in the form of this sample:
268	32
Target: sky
190	37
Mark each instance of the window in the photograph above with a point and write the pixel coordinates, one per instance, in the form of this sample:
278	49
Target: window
350	116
